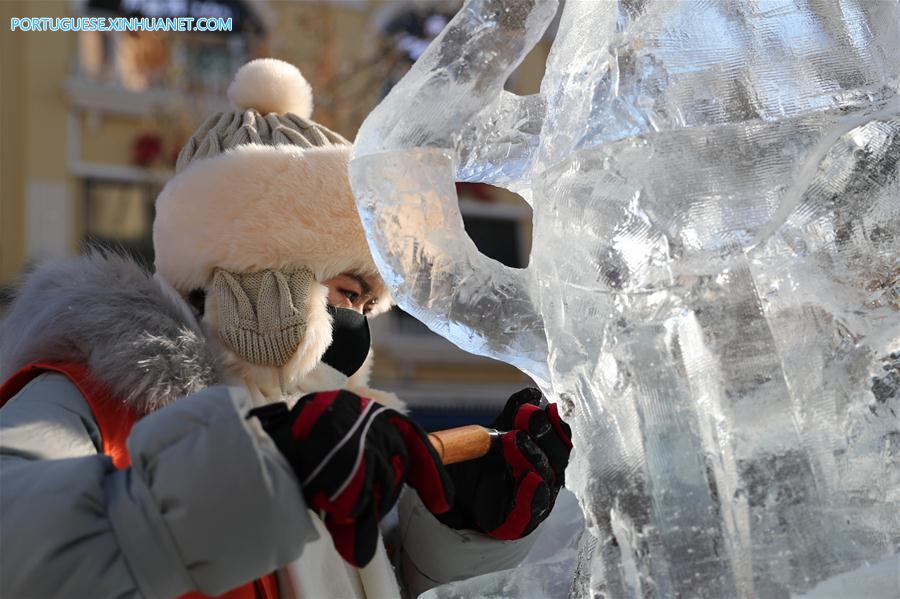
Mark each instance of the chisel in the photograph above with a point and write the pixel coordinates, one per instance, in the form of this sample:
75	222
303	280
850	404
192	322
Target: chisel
463	443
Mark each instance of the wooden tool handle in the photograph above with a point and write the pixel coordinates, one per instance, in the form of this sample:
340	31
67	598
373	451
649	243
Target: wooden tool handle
461	444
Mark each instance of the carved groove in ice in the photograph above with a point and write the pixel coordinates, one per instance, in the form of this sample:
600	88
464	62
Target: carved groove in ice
714	287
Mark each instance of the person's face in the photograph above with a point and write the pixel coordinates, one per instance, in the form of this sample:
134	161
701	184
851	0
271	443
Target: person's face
351	291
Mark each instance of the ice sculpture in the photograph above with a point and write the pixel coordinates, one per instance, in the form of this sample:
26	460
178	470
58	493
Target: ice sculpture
714	286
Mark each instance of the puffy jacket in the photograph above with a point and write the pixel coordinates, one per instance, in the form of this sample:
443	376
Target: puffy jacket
208	502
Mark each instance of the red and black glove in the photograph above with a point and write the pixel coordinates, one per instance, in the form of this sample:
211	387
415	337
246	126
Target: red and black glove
512	489
352	456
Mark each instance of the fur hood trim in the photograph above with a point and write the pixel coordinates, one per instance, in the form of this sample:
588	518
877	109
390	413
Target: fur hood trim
257	207
105	311
137	335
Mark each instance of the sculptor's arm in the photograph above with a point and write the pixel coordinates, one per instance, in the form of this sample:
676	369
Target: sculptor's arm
208	503
432	554
500	500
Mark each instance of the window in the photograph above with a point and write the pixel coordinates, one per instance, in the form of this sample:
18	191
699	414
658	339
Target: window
119	215
193	62
496	238
210	61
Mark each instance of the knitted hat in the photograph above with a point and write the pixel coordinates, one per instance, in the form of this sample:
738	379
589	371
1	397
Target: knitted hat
273	104
259	213
260	187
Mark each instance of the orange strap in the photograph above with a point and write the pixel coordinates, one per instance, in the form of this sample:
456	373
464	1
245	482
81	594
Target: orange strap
261	588
115	420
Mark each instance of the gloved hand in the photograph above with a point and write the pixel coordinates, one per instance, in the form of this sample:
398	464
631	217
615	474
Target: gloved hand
512	489
352	456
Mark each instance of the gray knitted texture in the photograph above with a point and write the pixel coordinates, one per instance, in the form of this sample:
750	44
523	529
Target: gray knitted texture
231	129
262	315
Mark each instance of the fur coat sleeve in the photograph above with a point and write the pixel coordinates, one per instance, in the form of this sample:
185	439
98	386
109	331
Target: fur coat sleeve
208	503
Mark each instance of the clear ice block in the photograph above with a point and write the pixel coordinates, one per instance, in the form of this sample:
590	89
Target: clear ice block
713	294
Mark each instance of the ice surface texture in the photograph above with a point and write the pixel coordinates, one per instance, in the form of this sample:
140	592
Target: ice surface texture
714	288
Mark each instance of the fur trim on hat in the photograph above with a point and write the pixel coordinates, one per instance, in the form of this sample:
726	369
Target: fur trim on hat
270	85
256	207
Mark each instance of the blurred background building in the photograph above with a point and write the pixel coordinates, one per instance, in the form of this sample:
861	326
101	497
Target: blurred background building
91	123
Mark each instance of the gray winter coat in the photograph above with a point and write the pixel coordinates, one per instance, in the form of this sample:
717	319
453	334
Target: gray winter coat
208	502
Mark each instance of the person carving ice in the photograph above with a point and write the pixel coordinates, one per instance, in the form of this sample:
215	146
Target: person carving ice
129	468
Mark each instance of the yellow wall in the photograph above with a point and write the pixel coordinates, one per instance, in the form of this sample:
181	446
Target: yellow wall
33	126
109	139
47	57
12	245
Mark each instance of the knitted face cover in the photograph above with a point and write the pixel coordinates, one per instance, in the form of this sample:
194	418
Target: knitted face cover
263	315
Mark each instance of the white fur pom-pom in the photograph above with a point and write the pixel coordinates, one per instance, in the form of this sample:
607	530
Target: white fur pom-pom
271	85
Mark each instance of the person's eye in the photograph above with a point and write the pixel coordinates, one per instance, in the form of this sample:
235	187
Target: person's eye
350	295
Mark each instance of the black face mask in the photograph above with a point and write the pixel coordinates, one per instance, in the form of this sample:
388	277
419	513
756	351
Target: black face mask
350	340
